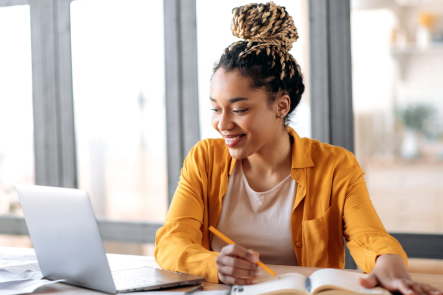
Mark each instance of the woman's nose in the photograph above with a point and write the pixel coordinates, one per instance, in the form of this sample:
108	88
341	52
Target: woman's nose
225	122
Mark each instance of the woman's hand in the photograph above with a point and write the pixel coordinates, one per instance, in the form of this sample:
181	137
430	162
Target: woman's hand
237	266
390	272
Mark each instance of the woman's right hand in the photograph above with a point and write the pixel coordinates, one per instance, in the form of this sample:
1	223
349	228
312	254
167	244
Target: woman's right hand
237	265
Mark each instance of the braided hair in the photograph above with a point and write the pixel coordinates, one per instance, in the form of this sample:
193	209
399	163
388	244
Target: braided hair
268	32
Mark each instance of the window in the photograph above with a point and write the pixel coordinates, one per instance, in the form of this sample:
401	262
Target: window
119	111
118	76
16	115
397	90
214	35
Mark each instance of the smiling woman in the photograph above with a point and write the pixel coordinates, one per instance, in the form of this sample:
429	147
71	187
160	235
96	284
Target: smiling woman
212	39
262	183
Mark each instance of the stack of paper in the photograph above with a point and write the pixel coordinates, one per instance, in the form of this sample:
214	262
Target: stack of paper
20	287
10	276
20	273
19	266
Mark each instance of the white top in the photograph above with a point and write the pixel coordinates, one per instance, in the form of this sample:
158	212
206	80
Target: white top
260	221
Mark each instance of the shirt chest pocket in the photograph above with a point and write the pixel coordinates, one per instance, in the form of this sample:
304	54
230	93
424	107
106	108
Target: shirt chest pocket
323	239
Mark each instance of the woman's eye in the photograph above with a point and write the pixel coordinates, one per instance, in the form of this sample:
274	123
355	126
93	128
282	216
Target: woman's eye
239	111
214	110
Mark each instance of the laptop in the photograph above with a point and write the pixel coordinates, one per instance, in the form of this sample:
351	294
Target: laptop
68	244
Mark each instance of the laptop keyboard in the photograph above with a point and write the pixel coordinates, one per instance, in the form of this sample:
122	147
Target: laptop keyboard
123	282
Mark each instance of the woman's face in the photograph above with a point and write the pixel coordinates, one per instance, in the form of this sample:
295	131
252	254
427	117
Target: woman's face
241	114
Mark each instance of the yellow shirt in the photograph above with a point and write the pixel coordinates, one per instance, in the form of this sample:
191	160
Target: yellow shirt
331	201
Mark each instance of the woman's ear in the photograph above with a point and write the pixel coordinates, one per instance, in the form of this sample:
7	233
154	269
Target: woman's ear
283	105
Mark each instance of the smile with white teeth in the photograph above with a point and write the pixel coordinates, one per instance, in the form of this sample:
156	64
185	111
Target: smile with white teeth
230	139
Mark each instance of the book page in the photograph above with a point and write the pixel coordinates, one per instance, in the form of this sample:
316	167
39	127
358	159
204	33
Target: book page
290	281
329	278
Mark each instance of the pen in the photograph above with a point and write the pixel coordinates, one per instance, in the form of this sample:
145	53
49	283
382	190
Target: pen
192	291
229	241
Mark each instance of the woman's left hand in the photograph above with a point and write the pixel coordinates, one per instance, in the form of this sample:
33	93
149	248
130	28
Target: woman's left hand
390	272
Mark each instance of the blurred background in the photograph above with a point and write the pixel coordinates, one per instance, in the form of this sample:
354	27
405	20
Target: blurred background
120	109
397	75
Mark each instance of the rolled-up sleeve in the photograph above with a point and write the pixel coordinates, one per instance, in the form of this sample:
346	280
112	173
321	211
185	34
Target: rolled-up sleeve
365	235
178	244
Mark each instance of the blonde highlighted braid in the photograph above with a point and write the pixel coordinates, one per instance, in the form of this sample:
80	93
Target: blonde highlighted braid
269	28
268	32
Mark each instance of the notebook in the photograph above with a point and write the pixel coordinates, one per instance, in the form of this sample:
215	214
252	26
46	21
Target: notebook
325	282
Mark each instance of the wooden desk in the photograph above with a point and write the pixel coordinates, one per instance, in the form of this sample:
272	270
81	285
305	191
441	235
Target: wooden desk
118	261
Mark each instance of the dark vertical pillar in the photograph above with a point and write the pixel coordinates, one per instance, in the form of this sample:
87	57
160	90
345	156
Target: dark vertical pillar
331	76
182	119
54	140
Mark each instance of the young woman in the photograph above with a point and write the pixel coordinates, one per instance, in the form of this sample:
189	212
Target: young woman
290	199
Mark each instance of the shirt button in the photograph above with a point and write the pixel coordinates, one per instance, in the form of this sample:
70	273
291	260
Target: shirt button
298	244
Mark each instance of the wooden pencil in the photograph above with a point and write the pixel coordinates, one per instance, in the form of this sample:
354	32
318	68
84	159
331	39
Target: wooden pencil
229	241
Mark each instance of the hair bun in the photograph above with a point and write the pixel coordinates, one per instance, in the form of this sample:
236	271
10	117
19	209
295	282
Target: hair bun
264	23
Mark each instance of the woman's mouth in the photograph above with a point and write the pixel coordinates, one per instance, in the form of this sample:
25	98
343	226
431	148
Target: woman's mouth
233	140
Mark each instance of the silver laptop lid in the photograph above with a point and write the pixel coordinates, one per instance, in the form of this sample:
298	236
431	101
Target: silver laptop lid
65	236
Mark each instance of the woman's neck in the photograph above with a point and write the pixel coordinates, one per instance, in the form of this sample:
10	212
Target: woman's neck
274	158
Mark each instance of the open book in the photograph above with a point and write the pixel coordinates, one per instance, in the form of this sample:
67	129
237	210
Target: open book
325	282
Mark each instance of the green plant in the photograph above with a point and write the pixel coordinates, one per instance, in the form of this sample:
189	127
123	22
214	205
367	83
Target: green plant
418	117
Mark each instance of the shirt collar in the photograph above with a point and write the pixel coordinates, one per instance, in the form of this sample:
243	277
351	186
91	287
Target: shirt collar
300	155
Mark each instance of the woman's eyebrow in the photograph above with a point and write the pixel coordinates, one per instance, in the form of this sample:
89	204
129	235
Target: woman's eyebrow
232	100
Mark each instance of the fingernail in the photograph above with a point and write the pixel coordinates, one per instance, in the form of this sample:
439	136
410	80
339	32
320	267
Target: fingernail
254	281
257	273
258	268
410	291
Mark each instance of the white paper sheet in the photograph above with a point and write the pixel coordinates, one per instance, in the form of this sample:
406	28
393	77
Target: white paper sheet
7	276
16	256
18	261
18	265
19	253
20	287
19	268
